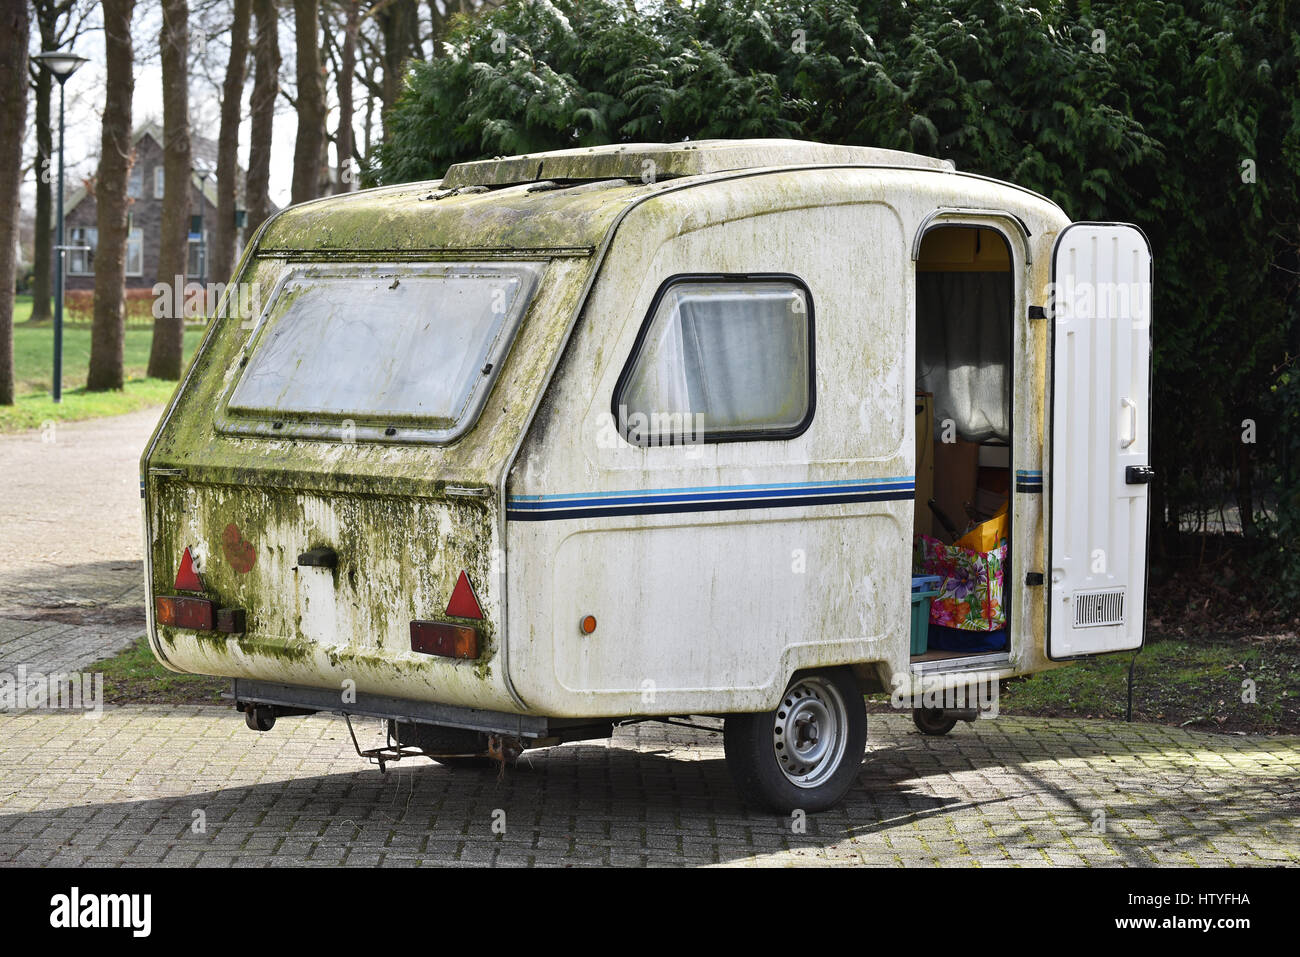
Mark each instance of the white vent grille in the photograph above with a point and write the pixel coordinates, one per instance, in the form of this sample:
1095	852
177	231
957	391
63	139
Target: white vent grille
1098	608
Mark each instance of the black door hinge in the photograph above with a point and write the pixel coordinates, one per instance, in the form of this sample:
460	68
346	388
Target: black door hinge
1033	578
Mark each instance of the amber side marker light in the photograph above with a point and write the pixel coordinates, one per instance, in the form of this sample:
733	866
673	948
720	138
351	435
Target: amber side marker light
588	624
444	639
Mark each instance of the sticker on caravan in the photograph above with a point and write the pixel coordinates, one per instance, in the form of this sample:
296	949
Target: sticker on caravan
239	553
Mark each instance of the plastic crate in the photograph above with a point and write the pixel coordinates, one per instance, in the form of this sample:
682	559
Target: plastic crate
924	590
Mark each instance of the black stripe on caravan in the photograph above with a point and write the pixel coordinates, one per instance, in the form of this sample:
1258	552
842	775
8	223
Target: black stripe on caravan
539	515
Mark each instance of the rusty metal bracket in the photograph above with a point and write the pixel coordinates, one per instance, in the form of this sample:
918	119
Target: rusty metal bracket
392	751
673	721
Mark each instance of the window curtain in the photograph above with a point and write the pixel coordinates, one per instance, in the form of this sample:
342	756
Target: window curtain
963	347
744	358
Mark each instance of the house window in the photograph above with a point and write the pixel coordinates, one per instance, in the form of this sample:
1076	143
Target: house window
720	359
81	262
135	253
158	177
194	261
135	182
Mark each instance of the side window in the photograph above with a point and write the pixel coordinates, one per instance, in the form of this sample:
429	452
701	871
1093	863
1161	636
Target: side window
81	262
158	185
719	359
135	253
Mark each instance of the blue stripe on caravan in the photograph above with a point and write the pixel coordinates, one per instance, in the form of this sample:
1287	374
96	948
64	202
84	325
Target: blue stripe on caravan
900	479
1029	481
707	498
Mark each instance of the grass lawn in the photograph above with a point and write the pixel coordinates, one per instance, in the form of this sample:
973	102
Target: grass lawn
135	677
33	363
1189	684
1184	684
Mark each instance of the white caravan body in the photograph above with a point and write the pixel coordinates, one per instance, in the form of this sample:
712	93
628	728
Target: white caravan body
628	560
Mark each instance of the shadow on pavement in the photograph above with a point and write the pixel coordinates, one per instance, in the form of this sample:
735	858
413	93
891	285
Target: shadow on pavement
594	804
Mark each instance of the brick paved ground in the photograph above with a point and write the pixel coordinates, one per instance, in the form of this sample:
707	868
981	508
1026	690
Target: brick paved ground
125	789
71	578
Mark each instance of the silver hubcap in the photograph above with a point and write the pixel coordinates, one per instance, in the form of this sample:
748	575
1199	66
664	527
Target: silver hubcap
809	734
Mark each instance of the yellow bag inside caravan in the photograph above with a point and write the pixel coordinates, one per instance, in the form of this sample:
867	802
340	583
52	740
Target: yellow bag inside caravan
985	536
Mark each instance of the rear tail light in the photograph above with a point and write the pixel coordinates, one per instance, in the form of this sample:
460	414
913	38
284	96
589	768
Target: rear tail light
444	639
177	611
197	614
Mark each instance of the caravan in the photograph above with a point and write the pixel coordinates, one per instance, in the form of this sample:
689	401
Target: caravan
643	431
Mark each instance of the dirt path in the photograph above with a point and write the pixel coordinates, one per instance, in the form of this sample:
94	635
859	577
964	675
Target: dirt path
70	541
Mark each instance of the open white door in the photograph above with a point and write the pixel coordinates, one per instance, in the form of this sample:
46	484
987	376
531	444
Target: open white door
1100	439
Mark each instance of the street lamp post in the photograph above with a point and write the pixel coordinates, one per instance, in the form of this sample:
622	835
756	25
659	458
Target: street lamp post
204	173
61	66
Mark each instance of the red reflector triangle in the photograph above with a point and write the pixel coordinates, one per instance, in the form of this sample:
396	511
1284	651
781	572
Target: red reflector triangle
187	579
464	603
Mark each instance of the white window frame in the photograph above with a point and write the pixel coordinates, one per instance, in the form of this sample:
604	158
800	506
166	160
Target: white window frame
159	181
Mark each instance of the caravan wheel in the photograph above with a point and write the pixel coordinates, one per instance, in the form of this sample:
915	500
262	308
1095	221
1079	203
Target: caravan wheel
806	754
934	721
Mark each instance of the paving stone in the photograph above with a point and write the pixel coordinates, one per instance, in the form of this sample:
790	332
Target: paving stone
1012	792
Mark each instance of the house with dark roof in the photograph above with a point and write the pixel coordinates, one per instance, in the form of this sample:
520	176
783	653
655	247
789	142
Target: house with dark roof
144	213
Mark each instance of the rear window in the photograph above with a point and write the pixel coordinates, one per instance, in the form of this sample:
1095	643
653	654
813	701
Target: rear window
388	353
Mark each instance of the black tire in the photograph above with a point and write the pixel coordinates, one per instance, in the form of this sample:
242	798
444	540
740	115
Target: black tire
760	762
933	721
259	718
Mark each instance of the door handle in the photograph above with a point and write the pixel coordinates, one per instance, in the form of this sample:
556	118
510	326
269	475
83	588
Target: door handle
1132	423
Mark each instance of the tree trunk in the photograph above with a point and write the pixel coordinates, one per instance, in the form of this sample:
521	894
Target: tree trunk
15	25
232	96
399	22
266	87
311	106
368	128
438	25
343	144
167	353
42	264
108	332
